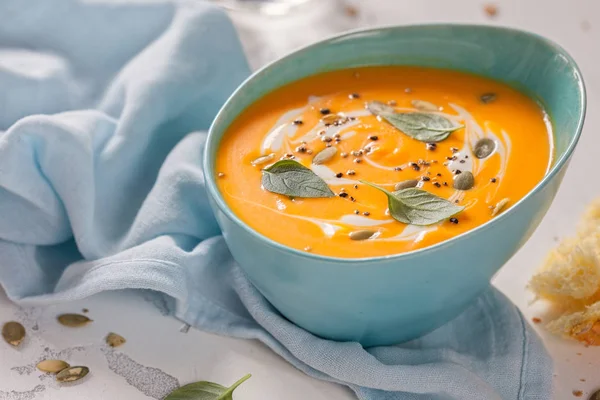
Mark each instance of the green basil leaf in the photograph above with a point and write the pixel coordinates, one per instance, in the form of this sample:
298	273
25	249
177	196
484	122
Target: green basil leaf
205	391
417	206
293	179
423	126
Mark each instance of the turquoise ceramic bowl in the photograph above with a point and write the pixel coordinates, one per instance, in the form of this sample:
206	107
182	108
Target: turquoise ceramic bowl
384	300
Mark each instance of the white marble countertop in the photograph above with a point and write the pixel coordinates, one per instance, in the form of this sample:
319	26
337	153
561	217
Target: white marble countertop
158	355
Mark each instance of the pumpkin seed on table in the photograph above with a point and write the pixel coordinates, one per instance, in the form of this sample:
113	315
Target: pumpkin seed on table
72	374
73	320
464	181
115	340
52	366
424	105
361	235
263	159
410	183
484	148
500	206
324	155
13	333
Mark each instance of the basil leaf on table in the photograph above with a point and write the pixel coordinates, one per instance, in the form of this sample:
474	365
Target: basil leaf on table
417	206
423	126
205	391
293	179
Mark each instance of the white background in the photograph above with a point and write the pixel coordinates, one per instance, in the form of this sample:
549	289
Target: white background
157	354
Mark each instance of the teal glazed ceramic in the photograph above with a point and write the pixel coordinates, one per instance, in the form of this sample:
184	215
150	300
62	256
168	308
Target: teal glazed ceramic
391	299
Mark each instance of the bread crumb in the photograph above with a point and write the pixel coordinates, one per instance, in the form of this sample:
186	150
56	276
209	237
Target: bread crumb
351	11
577	393
536	320
491	10
582	380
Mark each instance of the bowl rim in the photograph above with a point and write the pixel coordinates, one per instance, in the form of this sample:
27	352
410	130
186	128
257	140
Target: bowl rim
208	159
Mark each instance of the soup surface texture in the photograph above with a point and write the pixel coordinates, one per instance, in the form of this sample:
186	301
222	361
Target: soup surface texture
428	130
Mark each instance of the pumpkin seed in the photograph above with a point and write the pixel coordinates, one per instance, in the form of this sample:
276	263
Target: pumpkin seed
72	374
500	206
263	159
484	147
73	320
595	395
410	183
487	98
324	155
464	181
52	366
361	235
423	105
13	333
115	340
331	118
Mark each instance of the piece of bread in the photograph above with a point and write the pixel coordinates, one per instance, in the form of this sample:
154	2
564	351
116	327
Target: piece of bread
583	326
571	272
570	279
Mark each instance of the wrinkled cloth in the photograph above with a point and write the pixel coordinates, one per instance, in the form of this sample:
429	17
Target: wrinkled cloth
104	109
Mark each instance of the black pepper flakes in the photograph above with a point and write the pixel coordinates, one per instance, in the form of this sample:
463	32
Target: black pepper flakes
339	175
454	220
325	111
298	122
430	146
357	160
355	186
373	137
425	178
454	149
451	158
462	161
326	139
438	174
437	184
458	171
343	195
351	172
445	183
397	168
344	155
354	96
352	198
356	212
493	180
415	166
366	213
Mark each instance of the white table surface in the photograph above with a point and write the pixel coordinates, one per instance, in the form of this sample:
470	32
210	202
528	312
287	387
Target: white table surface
157	355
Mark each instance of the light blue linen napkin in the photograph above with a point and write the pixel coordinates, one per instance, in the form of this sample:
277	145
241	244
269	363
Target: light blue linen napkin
103	111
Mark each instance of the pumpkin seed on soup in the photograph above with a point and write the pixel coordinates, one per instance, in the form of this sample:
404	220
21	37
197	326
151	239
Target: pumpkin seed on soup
324	155
424	105
464	181
406	184
500	206
52	366
487	98
484	148
13	333
73	320
361	235
72	374
263	159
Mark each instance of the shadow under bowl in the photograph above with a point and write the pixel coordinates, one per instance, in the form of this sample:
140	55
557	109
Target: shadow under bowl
391	299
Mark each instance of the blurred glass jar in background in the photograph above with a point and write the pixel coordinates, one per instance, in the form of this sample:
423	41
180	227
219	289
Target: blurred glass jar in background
267	7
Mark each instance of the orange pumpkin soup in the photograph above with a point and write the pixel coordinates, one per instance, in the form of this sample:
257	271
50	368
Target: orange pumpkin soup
381	160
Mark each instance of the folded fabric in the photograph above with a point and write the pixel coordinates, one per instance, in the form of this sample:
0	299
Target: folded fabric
103	116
